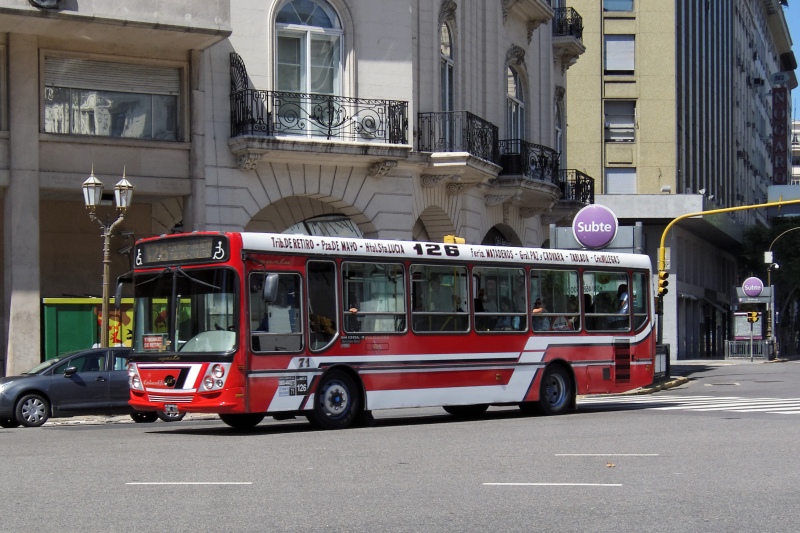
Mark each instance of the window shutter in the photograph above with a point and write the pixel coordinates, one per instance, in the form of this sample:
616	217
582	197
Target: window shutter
619	53
620	181
78	73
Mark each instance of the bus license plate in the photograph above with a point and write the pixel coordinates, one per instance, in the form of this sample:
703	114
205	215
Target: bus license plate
171	408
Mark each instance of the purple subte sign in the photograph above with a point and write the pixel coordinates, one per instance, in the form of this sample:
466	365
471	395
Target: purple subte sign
752	287
595	226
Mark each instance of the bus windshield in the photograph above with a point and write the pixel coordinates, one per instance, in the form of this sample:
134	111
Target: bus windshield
185	310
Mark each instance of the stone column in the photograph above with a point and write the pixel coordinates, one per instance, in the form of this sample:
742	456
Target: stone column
21	207
194	208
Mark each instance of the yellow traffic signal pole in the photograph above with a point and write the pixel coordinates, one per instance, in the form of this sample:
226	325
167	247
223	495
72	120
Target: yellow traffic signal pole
662	251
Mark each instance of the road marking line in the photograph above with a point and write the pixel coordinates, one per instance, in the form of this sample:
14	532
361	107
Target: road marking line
190	483
606	455
554	484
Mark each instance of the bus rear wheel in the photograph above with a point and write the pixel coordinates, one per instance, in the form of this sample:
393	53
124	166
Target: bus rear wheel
466	411
555	392
243	421
336	402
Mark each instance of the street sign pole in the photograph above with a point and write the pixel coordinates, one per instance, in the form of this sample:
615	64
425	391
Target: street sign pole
751	342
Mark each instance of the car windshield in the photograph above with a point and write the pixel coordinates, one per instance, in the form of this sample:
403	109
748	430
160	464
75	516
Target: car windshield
188	310
41	367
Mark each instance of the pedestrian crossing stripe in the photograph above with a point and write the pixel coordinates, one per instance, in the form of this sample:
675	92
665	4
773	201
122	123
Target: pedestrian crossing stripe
785	406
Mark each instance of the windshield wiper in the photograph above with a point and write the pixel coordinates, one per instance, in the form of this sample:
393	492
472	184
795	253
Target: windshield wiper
180	271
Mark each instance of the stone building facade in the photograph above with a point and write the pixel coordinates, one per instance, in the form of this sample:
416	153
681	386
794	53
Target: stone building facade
409	119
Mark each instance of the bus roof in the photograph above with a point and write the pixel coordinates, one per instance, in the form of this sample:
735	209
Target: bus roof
389	249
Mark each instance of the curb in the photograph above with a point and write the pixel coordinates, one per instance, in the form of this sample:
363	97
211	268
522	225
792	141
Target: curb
655	387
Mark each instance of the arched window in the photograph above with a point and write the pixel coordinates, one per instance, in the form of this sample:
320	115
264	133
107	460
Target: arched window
446	69
515	106
309	49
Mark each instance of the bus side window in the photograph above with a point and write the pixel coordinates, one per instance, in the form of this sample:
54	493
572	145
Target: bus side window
276	326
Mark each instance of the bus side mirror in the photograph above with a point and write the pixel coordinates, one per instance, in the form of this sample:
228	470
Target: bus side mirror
270	291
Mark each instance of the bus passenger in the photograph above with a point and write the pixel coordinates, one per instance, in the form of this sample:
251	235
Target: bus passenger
540	323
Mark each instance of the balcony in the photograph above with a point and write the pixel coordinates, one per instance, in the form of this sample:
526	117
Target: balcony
462	147
567	35
529	176
322	125
576	187
577	191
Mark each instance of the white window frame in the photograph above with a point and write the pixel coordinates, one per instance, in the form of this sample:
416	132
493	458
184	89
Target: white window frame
619	54
515	106
305	33
620	120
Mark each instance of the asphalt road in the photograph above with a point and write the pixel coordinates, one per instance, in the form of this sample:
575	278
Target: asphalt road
708	455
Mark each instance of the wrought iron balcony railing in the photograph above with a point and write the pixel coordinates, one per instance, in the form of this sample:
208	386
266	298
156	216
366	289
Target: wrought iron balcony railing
575	185
533	161
268	113
458	131
567	22
255	112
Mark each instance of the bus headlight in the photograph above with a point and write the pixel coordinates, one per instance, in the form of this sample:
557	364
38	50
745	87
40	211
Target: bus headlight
131	369
135	383
218	371
208	383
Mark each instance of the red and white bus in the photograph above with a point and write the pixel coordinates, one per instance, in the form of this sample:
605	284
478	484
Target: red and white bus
248	325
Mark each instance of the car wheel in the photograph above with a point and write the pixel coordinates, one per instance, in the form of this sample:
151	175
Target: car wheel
32	410
336	402
245	421
170	417
8	423
466	411
144	416
555	393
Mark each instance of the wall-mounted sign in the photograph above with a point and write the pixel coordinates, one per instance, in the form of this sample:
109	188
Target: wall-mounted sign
753	287
595	226
780	136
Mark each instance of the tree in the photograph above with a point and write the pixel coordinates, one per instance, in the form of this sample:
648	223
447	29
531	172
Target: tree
786	279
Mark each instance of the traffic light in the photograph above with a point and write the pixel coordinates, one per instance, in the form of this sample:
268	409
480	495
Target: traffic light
662	283
752	317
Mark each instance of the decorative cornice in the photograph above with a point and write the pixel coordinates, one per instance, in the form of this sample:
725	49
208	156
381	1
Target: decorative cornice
431	180
507	5
531	27
497	199
507	213
560	92
381	168
248	161
528	212
447	11
515	55
454	189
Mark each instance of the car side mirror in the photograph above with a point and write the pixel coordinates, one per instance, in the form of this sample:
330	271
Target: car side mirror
69	371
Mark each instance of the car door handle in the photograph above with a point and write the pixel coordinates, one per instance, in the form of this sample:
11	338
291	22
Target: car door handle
99	378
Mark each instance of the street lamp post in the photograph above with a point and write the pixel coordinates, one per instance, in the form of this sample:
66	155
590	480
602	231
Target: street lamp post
92	195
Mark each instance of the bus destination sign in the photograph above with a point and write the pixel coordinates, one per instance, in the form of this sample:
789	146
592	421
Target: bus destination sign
197	249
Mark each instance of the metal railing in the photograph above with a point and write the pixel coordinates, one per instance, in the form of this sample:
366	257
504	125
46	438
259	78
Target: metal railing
268	113
575	185
761	349
533	161
567	21
458	131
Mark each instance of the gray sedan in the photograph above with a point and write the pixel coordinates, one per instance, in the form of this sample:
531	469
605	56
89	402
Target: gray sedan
93	381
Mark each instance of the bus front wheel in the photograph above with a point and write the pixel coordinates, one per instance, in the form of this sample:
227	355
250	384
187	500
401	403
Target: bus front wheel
336	402
555	393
